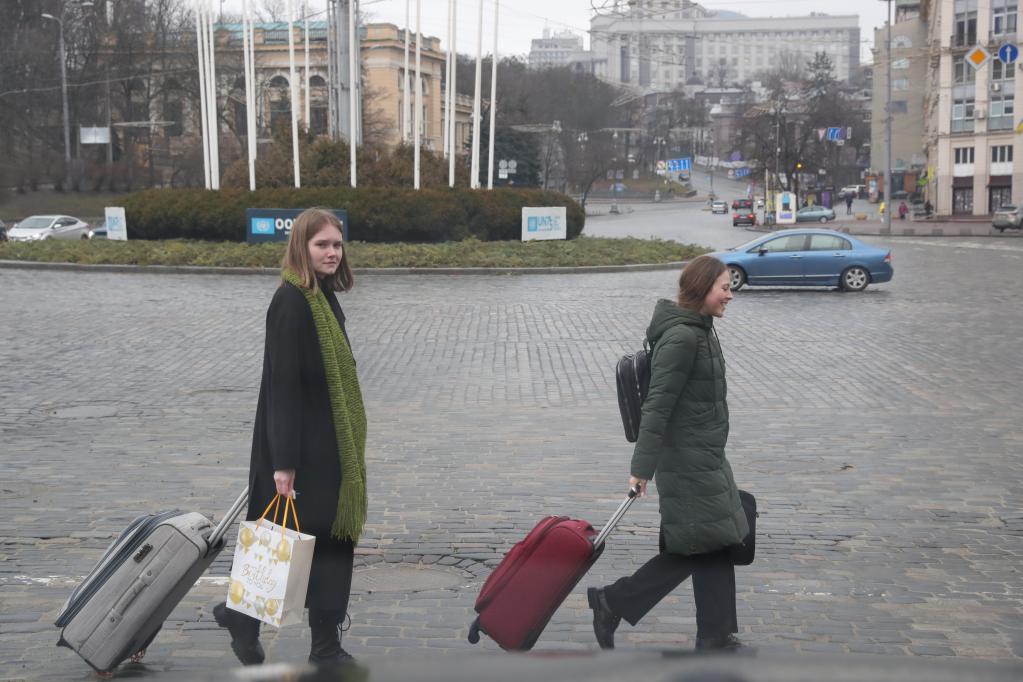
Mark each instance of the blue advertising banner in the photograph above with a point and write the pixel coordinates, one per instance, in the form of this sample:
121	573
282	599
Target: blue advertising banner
274	224
682	164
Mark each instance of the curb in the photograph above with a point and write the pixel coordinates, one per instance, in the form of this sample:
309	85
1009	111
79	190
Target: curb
215	270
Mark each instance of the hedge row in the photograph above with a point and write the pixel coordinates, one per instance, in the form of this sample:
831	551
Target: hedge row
374	214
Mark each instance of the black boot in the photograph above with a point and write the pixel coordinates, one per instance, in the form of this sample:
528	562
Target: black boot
325	628
605	622
724	643
244	634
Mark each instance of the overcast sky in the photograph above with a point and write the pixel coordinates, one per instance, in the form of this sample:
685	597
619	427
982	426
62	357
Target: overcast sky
523	20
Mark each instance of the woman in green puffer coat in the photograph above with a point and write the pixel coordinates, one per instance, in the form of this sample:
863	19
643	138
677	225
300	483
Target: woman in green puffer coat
682	436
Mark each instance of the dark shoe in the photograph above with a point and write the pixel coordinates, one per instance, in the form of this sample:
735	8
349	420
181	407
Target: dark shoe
605	622
244	634
325	629
726	643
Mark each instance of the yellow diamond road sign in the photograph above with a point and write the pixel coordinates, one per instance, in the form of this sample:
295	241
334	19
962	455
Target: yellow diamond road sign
978	56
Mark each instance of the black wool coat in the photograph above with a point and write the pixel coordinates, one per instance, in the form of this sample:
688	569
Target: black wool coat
294	429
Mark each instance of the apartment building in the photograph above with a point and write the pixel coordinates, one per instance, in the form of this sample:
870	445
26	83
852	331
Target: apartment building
910	62
970	111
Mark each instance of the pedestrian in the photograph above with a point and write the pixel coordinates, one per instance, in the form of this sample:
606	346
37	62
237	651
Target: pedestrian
928	208
310	431
880	209
683	431
903	210
848	203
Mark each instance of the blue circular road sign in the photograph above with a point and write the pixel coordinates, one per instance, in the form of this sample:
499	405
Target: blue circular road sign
1008	53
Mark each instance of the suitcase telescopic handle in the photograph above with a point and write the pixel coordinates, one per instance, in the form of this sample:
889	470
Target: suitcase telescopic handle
229	518
617	516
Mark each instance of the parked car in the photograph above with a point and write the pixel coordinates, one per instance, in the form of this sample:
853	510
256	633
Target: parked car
98	231
807	257
814	214
857	191
1008	218
49	227
744	216
718	206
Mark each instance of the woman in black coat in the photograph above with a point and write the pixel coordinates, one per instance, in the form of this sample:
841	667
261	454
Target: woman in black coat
310	430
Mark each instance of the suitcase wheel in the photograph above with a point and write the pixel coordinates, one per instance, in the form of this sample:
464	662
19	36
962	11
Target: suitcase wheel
474	632
138	656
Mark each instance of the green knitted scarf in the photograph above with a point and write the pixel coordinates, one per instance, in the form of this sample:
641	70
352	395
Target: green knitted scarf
347	410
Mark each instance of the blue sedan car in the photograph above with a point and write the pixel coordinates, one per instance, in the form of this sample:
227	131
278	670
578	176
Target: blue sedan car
807	257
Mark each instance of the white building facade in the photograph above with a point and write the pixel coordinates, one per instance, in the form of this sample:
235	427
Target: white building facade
554	50
971	113
662	44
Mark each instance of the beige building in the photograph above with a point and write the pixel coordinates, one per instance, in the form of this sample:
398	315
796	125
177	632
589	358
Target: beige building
910	64
383	71
970	114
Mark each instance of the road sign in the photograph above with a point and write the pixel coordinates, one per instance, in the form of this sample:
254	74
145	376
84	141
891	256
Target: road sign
683	164
978	57
741	172
1008	53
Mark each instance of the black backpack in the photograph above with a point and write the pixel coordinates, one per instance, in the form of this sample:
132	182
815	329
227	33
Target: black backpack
633	378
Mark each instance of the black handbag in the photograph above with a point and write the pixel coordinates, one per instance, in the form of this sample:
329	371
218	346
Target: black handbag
632	375
744	553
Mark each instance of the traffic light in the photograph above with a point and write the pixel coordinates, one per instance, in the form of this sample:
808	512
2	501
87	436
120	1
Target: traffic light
799	165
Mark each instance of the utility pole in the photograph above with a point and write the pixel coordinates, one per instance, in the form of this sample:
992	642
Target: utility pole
406	128
474	179
452	93
888	125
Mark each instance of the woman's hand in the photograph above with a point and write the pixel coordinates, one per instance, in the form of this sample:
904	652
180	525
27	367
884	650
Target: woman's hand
633	482
285	481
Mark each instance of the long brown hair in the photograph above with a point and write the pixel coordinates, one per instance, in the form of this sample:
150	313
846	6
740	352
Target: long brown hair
696	281
296	257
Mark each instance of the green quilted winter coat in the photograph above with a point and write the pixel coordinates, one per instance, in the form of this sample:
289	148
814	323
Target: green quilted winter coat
683	432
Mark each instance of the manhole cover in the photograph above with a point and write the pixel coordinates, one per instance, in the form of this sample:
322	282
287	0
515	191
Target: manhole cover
399	578
84	412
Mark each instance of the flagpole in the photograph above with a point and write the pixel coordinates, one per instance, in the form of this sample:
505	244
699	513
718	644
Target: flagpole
294	92
353	75
305	15
419	93
250	125
406	128
493	100
452	93
447	81
200	43
474	180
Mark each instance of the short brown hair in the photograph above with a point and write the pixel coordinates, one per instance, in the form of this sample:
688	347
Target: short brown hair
696	281
296	257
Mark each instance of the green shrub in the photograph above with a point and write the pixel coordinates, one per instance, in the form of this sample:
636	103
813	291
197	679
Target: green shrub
375	214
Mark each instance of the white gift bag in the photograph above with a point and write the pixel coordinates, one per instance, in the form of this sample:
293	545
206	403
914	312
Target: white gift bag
270	574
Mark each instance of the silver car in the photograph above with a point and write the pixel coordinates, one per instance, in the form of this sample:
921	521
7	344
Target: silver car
1008	218
39	227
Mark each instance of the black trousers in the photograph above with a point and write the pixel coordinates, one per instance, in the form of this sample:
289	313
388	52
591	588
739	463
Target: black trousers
713	574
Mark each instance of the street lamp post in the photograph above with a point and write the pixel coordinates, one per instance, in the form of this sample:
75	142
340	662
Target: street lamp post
63	90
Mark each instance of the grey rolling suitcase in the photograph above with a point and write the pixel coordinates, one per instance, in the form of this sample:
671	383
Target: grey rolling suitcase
117	610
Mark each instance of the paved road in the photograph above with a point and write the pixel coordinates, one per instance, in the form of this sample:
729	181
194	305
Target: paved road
880	432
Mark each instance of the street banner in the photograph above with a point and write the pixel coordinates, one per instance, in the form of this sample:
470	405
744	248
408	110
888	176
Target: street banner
786	203
117	226
548	222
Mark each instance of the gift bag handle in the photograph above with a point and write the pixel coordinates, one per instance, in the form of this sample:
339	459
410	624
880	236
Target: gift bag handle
276	504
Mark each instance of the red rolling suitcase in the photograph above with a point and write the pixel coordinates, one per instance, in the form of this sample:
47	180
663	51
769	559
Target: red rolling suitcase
533	579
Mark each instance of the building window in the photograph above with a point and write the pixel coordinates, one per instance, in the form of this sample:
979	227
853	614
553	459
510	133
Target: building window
965	23
962	200
1003	17
1001	112
898	64
963	72
1001	153
902	42
962	115
1000	71
963	155
900	84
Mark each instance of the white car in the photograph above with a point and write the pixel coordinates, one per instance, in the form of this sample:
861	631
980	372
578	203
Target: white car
39	227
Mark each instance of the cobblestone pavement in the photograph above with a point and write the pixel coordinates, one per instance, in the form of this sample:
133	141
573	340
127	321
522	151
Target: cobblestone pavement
880	432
